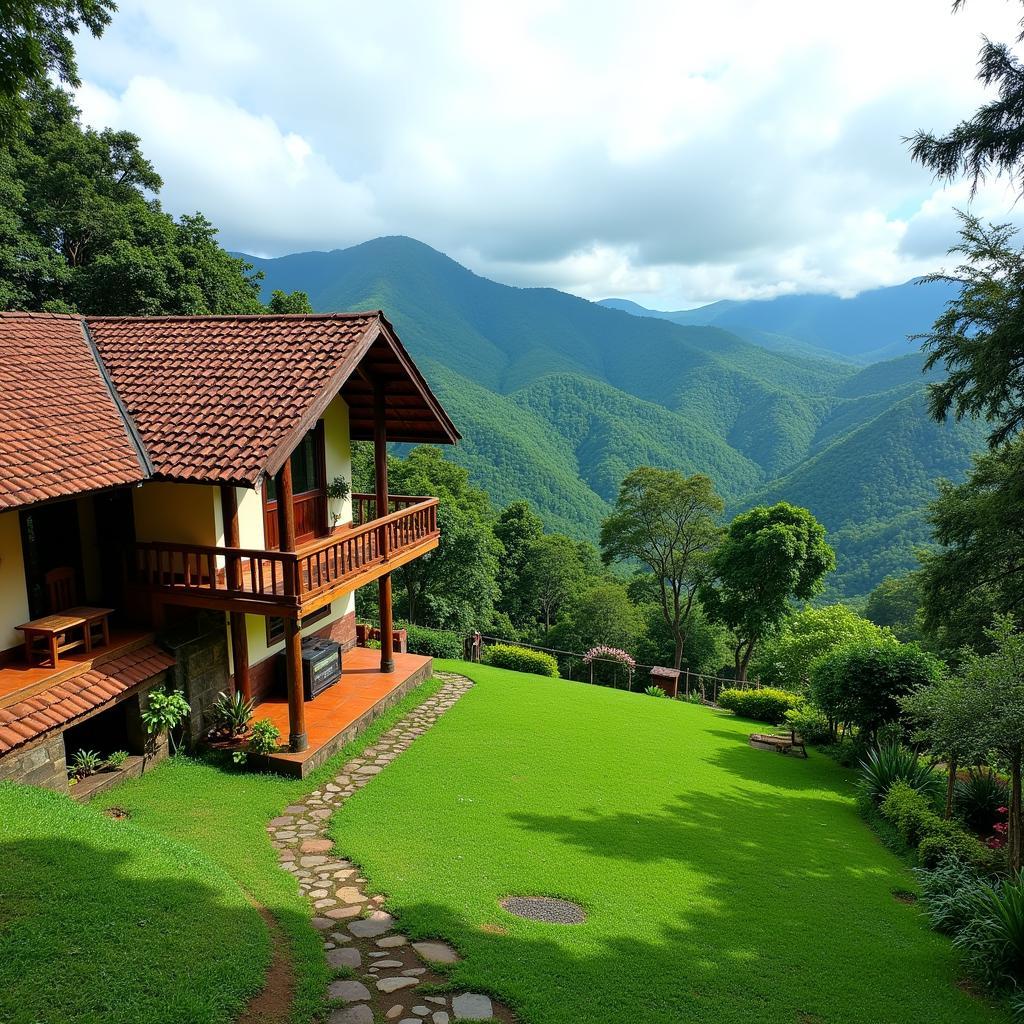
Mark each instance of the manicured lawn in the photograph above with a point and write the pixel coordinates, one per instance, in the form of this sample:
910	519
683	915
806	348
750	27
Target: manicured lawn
102	921
147	920
722	883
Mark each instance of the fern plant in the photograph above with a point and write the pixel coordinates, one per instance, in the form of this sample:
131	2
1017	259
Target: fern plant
892	763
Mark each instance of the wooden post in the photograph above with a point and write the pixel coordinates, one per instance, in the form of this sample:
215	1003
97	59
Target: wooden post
232	570
285	509
380	465
297	739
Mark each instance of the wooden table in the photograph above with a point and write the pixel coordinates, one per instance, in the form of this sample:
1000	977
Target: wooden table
54	630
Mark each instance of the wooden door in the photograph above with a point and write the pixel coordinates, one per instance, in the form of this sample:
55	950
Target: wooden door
309	492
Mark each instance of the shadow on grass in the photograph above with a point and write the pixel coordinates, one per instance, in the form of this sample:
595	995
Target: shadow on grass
98	933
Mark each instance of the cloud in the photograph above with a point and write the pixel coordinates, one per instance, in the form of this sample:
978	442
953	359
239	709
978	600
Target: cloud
663	151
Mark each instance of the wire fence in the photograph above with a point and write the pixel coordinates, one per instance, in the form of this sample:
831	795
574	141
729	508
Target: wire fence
608	672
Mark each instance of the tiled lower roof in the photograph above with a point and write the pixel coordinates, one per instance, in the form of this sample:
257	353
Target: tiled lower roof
60	705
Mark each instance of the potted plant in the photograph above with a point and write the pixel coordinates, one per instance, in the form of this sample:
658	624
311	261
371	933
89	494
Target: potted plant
229	715
165	710
338	491
115	761
83	764
264	738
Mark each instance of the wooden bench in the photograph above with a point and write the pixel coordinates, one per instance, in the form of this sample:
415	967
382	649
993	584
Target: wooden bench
53	635
788	743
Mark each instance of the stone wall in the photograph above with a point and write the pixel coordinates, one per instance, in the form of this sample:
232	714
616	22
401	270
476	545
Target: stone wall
199	645
40	765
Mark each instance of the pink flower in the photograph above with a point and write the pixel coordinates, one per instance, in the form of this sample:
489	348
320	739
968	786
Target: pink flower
605	653
1002	810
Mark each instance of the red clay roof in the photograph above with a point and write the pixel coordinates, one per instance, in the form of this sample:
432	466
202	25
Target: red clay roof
60	705
61	432
215	397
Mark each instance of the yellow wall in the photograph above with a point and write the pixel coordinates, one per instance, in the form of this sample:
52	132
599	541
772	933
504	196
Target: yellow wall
338	462
13	590
183	513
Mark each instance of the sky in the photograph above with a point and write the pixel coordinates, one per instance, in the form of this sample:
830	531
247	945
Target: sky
673	153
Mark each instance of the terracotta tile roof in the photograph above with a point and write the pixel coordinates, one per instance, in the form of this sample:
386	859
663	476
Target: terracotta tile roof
214	397
61	432
61	704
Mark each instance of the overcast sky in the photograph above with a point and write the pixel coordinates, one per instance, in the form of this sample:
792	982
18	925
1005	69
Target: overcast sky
669	152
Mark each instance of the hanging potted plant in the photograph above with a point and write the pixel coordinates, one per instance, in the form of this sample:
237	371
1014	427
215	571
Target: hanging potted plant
338	491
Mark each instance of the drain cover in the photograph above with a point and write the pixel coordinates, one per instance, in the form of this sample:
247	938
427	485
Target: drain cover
545	908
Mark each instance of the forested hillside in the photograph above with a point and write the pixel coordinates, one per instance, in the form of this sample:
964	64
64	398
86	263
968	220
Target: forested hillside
558	398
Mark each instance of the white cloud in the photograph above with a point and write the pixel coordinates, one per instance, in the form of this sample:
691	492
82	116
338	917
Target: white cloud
668	152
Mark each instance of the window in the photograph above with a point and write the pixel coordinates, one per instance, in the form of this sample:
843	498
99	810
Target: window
306	466
275	626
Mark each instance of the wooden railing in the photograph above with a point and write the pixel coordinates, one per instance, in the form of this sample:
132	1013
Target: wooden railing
287	578
364	506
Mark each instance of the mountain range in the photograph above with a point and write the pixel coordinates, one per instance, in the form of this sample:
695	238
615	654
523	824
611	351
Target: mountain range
558	397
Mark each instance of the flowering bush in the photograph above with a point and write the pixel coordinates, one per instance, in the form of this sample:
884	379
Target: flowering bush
997	840
605	653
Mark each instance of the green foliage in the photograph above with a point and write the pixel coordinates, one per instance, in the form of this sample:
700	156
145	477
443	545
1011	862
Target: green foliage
991	940
164	711
289	302
116	760
763	705
669	524
264	738
769	557
896	604
85	763
655	691
518	527
808	722
230	713
601	615
706	647
434	643
552	575
978	797
903	800
520	659
861	683
785	660
946	894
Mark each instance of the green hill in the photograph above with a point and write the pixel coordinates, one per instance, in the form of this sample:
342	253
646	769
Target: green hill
558	398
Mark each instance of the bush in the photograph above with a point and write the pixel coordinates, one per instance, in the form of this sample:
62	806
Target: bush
946	894
231	713
434	643
764	705
809	722
977	799
655	691
520	659
885	766
992	940
264	738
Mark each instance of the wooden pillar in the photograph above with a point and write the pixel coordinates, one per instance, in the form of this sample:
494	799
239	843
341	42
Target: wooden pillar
380	466
297	739
292	637
239	636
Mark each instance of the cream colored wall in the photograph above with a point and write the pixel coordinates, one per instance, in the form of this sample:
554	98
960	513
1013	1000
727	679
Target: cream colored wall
13	589
183	513
338	462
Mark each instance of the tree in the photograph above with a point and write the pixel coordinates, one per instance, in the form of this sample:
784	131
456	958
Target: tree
518	527
87	234
861	683
992	141
289	302
945	714
979	570
895	603
707	646
601	614
36	40
995	688
785	660
668	523
979	338
770	556
553	575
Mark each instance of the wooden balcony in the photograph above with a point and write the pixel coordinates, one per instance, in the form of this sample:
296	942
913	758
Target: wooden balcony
290	584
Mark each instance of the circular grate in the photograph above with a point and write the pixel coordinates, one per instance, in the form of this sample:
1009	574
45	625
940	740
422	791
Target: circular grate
545	908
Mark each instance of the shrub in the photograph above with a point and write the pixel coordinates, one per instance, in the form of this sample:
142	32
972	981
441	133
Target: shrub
165	710
116	760
910	811
520	659
946	894
978	798
230	713
992	939
265	737
809	722
85	763
885	766
764	705
434	643
655	691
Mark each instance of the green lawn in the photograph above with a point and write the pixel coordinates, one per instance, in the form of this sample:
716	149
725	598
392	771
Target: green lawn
722	883
101	921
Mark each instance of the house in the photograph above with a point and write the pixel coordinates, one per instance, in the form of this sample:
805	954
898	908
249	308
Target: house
175	471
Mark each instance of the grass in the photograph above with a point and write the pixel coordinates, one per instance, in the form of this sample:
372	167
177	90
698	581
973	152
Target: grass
220	815
88	906
721	883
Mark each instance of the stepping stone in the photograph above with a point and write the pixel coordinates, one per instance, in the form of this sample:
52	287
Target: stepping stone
438	952
421	1010
347	957
350	894
361	1014
321	814
312	862
436	1000
472	1006
322	923
350	991
370	927
283	820
395	1011
388	963
344	913
390	941
415	970
295	809
370	769
440	1017
316	845
394	984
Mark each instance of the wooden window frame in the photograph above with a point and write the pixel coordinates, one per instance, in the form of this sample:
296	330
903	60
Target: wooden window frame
275	624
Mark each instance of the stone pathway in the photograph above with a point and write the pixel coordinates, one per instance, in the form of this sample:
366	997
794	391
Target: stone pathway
383	968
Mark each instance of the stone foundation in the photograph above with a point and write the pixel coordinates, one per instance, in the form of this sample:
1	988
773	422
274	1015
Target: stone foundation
39	765
200	648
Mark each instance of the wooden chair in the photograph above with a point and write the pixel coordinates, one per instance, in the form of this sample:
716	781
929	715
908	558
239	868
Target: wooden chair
61	588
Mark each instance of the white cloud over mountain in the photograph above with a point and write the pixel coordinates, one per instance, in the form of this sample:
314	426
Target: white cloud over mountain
669	152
